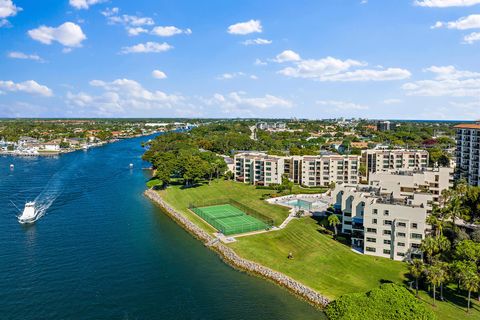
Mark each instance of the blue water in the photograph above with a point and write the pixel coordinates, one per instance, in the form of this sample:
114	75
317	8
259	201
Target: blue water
103	251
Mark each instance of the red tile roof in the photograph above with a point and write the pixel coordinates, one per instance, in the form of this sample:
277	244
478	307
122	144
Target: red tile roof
468	126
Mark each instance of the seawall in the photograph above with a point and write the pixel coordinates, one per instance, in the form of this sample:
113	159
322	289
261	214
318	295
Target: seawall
230	257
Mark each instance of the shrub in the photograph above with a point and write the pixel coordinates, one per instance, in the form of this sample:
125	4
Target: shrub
389	302
476	236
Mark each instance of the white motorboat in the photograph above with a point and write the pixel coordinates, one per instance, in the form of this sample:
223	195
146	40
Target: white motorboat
29	214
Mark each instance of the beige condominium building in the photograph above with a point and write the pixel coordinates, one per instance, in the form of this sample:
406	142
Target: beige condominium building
468	153
383	159
387	218
259	168
379	224
420	186
310	171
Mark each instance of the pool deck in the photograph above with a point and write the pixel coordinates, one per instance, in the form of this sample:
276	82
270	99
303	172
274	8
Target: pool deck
313	198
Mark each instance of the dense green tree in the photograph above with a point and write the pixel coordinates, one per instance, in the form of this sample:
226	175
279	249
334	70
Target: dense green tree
388	302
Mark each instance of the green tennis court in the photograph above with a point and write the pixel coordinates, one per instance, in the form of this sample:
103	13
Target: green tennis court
228	219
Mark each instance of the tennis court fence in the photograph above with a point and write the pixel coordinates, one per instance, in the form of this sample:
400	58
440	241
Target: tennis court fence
196	207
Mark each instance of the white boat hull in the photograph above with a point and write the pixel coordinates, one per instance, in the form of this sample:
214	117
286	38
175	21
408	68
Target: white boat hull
29	214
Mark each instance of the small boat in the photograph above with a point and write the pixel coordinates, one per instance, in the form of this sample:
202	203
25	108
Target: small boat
12	166
131	165
29	214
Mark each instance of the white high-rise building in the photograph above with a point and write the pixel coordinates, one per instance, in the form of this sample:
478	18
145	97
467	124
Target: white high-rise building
468	153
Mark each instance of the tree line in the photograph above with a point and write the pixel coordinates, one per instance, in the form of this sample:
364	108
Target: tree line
450	254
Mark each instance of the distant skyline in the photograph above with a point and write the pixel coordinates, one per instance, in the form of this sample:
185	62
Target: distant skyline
405	59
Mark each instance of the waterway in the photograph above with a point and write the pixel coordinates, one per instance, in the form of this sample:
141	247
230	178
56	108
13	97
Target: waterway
103	251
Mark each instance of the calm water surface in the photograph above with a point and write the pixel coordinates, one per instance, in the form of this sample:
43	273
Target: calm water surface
103	251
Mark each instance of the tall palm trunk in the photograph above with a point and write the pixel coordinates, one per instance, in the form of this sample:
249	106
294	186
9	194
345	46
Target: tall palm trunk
434	296
441	291
416	287
468	304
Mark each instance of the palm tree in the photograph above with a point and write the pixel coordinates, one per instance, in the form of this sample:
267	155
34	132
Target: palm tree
434	277
443	244
429	247
333	221
443	275
471	282
436	223
416	268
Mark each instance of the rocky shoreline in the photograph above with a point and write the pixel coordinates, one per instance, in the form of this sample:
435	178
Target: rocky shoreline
230	257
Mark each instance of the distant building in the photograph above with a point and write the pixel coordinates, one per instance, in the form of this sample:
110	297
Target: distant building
271	126
468	153
50	147
381	159
22	141
311	171
383	126
359	145
259	168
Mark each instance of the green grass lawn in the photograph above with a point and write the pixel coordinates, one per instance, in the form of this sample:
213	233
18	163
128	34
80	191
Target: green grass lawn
455	305
246	194
323	264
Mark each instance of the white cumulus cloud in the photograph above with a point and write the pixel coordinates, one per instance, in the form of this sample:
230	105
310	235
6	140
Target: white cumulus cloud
84	4
147	47
464	23
258	41
472	37
135	31
157	74
446	3
447	81
68	34
169	31
24	56
7	9
333	69
237	103
243	28
287	55
123	96
29	86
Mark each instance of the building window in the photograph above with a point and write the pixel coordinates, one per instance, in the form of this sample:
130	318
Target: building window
386	251
414	225
401	244
386	213
416	245
402	224
371	230
370	249
375	211
371	240
387	232
400	254
416	236
401	234
387	242
387	222
374	221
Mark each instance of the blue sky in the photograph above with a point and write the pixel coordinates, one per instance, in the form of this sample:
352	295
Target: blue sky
395	59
